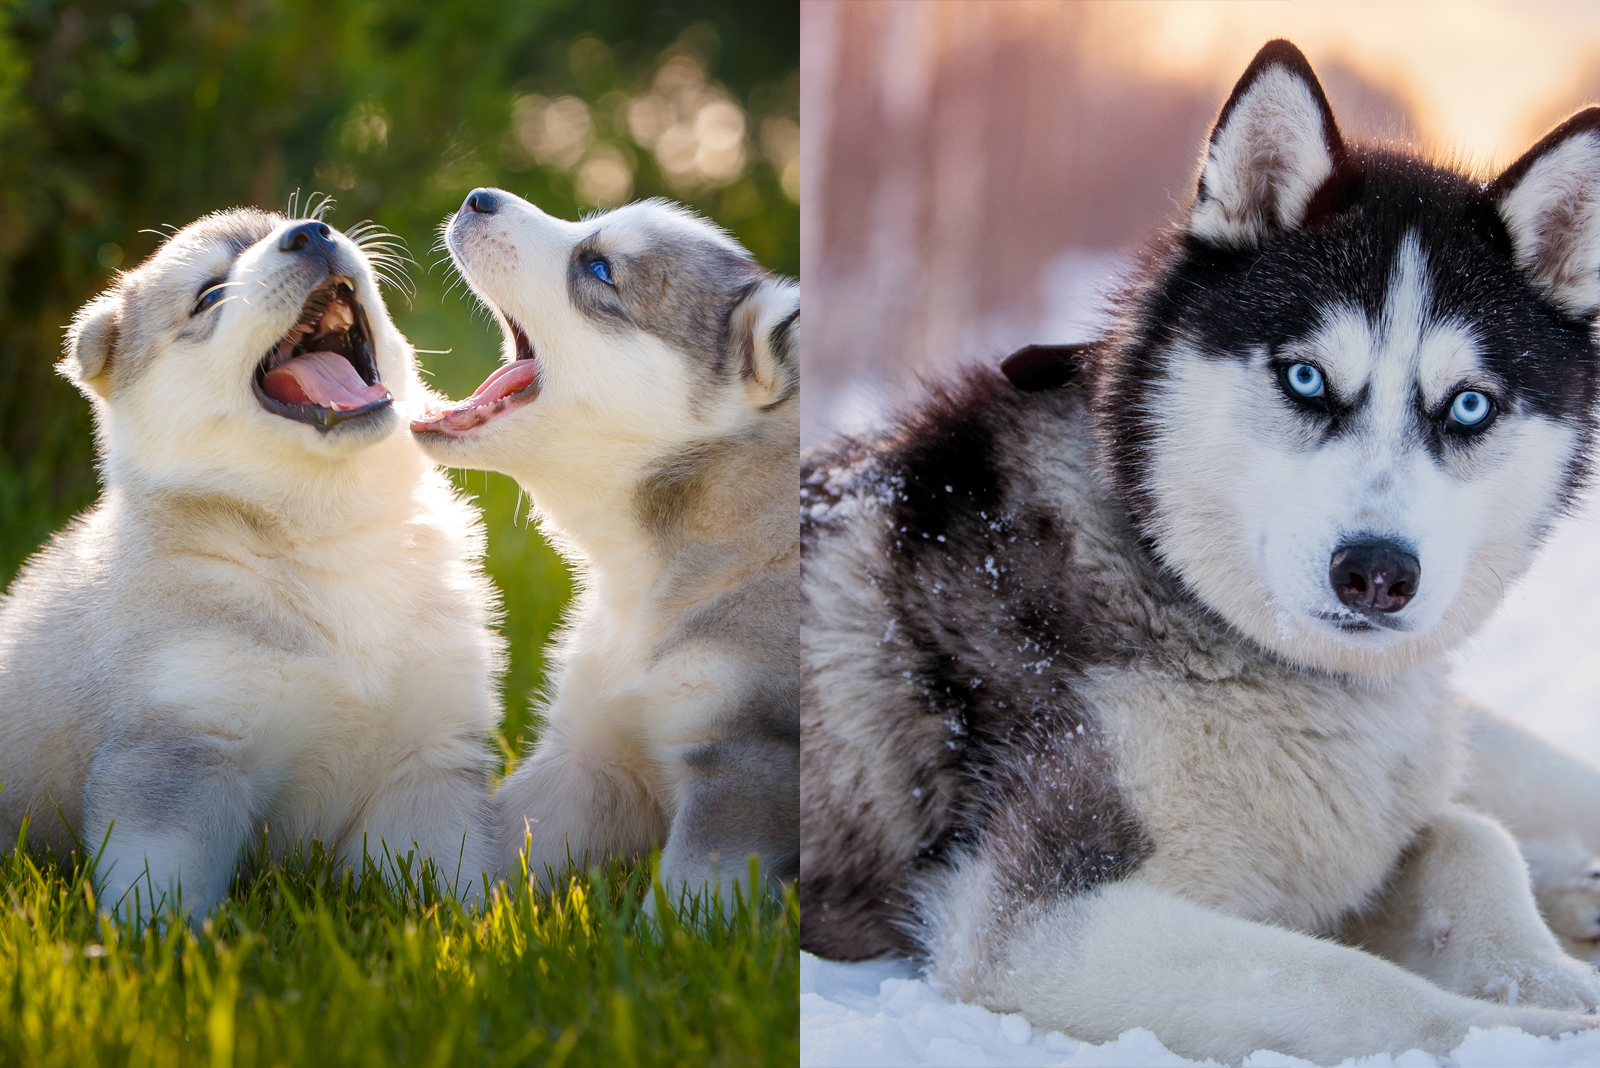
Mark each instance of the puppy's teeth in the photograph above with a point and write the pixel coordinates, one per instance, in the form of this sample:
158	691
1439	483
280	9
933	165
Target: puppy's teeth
337	319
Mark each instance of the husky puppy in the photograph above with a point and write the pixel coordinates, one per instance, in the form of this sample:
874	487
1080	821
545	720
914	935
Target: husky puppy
1124	699
649	406
273	620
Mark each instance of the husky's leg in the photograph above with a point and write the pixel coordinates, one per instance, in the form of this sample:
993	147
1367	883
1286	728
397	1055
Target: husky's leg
1209	985
437	804
178	809
566	800
1459	912
736	797
1550	802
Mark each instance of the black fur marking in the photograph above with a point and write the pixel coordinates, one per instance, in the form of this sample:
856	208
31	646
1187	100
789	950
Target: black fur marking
944	468
1234	302
1039	367
994	620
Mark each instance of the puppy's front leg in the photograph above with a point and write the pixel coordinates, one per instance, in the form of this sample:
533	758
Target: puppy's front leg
178	806
736	796
436	801
1127	954
1460	911
574	797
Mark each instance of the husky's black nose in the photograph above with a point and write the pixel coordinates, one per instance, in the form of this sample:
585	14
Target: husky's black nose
1374	576
313	235
481	201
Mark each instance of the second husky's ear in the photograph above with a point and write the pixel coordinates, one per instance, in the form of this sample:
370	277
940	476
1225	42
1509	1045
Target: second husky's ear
1550	202
765	330
1273	146
90	339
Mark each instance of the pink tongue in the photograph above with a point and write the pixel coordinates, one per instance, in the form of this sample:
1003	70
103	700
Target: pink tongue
325	379
486	402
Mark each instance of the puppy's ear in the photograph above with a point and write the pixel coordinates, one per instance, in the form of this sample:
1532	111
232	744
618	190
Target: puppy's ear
1273	146
1550	201
90	339
765	330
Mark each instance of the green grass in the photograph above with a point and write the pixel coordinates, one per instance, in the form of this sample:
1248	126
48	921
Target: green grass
308	965
535	583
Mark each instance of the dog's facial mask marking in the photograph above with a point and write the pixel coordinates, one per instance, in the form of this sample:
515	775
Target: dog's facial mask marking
1370	414
615	321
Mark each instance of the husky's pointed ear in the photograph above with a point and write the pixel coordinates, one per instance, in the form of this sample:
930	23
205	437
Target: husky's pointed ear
90	339
1550	201
765	330
1273	146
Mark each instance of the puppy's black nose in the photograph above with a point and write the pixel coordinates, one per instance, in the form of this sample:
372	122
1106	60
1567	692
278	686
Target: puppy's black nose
312	235
1374	576
481	201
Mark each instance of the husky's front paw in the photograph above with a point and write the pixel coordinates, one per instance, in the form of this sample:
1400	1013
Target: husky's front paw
1566	884
1544	1022
1552	983
1570	904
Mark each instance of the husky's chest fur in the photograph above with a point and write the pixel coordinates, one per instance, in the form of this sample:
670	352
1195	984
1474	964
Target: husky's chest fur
1029	662
1216	769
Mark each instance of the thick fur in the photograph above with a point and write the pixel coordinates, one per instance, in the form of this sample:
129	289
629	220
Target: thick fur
1085	721
1547	800
262	627
661	457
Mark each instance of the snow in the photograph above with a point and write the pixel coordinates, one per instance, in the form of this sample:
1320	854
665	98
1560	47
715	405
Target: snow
1536	663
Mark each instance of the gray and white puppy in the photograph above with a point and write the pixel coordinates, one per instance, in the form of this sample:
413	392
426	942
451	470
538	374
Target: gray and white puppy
273	620
1126	698
650	407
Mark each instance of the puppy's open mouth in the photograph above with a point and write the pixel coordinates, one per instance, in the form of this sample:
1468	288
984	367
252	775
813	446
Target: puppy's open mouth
513	385
322	372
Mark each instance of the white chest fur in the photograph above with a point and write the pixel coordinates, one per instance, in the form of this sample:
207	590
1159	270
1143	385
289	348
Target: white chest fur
1280	798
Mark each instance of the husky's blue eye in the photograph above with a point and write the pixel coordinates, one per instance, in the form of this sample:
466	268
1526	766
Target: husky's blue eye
601	270
209	298
1305	380
1469	408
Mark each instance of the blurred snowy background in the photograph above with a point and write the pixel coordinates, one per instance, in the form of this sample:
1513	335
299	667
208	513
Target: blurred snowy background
975	174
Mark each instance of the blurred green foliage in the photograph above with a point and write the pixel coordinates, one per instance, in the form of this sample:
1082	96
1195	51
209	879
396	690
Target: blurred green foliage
117	118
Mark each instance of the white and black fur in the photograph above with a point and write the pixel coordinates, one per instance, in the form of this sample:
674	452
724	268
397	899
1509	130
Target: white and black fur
655	425
273	622
1089	723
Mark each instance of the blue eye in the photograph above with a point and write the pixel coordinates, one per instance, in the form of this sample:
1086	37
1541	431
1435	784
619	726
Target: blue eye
601	270
210	298
1305	380
1469	408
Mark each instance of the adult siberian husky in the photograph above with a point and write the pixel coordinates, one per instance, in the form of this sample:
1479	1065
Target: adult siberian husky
649	406
1125	704
273	620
